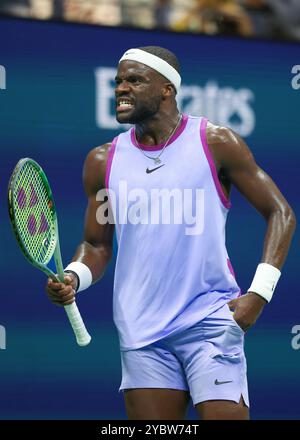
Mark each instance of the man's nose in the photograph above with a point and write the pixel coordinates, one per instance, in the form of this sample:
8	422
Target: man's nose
123	86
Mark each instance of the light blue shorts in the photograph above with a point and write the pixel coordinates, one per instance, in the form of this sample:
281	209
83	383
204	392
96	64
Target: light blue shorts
207	360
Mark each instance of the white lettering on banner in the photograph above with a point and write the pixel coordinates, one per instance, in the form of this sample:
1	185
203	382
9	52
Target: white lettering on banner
105	117
222	105
2	78
296	78
296	339
2	338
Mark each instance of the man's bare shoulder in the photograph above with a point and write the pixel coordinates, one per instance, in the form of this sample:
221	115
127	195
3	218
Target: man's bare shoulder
218	134
94	168
227	147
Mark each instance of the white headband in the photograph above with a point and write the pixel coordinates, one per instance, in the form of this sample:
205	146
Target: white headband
155	63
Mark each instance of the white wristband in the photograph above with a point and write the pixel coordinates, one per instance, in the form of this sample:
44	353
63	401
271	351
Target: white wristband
265	280
83	272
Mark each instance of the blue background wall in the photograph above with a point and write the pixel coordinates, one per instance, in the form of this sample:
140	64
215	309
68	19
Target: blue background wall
55	108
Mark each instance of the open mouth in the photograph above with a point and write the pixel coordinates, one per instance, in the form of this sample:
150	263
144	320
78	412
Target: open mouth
124	104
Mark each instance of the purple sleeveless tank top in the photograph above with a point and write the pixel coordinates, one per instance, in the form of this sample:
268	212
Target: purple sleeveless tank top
172	267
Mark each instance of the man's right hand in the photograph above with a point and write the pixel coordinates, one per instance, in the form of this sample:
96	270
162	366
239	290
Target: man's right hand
62	294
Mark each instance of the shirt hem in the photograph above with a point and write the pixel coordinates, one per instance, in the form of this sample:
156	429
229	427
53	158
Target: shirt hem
174	332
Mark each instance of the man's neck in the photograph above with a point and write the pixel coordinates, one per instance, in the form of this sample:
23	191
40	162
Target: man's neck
158	129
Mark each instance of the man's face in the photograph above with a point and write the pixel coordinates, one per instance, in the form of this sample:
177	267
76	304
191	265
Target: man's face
138	92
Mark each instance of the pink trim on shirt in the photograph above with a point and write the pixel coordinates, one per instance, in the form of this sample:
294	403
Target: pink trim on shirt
226	202
110	157
231	270
160	146
230	267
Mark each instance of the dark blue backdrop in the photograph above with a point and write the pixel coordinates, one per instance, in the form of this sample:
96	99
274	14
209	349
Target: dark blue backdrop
57	106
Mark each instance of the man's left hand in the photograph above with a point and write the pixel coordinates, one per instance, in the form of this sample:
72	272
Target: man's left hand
247	309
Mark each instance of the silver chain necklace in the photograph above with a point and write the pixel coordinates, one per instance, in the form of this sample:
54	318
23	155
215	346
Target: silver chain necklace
156	159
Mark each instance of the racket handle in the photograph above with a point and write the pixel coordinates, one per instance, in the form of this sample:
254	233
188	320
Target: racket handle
81	333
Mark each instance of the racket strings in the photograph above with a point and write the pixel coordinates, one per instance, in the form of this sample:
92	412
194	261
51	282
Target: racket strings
34	217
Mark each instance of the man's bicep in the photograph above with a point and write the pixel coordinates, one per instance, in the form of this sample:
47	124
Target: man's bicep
254	183
258	188
98	226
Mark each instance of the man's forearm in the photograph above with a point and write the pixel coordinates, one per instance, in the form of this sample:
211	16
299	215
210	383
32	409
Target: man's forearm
95	257
281	226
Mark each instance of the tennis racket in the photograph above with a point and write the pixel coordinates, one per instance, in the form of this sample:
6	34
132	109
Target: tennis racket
34	221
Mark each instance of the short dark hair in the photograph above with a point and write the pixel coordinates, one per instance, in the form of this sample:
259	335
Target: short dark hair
164	54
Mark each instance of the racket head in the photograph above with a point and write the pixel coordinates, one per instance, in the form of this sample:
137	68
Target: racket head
32	213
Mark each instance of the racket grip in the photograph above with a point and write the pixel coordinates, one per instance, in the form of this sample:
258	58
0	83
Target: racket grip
82	336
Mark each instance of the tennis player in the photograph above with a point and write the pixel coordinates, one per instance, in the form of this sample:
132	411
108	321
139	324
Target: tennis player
174	286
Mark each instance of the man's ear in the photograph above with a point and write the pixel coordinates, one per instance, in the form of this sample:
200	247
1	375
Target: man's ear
168	90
